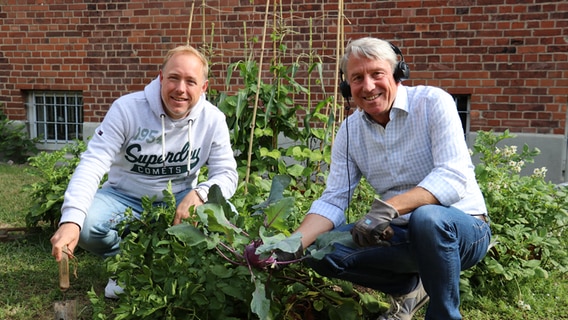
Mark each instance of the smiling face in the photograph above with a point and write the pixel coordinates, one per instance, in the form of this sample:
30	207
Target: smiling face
372	86
182	83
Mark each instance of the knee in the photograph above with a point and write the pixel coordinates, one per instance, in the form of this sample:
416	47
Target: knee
425	216
426	220
99	239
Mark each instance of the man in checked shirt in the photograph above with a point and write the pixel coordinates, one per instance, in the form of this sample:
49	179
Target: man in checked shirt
431	221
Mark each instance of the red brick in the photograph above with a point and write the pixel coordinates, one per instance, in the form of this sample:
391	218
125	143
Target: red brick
502	52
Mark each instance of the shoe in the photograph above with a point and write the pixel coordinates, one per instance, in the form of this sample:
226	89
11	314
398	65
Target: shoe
112	289
405	306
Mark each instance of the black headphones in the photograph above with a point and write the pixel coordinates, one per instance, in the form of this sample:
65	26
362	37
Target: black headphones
401	73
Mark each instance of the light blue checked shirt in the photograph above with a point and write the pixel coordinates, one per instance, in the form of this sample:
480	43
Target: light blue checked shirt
422	145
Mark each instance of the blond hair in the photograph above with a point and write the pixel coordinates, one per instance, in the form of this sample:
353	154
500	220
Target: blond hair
189	50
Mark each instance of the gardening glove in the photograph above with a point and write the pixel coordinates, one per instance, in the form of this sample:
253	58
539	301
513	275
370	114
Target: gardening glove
374	228
284	258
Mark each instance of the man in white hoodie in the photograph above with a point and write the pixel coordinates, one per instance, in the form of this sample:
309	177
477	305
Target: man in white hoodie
147	139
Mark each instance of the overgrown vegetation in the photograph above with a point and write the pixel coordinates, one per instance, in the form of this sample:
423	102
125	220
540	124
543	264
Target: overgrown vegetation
53	170
529	221
204	268
158	263
15	144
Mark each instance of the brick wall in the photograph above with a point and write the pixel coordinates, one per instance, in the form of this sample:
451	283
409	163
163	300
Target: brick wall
511	56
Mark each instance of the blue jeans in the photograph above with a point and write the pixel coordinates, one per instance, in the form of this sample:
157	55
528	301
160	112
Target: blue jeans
436	245
99	234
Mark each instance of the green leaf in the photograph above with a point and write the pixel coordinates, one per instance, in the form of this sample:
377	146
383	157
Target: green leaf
279	184
274	153
260	305
213	216
295	170
324	243
318	305
277	213
287	244
187	233
540	272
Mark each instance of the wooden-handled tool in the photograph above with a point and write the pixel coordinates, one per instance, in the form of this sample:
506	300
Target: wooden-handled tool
64	270
67	309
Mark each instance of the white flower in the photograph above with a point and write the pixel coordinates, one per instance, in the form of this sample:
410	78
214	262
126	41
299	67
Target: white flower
523	306
540	172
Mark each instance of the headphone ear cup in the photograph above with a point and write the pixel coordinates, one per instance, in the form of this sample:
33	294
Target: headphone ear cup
345	89
401	72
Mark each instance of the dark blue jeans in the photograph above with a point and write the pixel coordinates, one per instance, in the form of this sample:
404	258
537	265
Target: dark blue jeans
436	245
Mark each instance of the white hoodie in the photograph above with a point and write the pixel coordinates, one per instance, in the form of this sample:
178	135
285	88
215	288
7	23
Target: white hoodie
132	142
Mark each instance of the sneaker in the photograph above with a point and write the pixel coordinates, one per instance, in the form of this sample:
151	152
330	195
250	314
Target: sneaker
405	306
112	289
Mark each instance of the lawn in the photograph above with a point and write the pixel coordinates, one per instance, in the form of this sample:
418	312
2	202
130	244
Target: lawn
30	286
30	277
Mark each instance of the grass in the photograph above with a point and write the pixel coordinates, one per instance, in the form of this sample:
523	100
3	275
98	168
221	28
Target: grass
29	285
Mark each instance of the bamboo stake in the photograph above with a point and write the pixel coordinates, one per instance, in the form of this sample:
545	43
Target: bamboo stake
338	49
203	3
190	22
253	124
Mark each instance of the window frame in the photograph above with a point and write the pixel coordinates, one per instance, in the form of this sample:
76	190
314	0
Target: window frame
462	102
61	125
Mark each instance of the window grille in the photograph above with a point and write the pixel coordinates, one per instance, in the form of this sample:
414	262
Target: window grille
56	117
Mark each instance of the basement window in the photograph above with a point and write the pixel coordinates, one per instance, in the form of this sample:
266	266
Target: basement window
55	117
462	103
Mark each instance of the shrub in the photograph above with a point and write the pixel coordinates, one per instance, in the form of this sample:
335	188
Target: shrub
15	145
528	220
54	170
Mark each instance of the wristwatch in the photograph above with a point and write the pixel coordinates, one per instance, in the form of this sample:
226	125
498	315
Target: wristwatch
202	194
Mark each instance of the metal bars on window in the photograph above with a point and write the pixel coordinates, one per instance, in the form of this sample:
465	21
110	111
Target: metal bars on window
56	117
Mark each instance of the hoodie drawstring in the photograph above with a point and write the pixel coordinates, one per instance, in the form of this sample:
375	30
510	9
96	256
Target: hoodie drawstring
163	118
189	128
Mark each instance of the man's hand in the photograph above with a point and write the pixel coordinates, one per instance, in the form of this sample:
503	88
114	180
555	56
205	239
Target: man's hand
182	210
66	235
374	228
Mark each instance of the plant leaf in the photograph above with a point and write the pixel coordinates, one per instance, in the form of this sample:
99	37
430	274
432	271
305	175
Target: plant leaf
260	305
187	233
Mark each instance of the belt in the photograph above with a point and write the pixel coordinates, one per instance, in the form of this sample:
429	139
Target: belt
480	217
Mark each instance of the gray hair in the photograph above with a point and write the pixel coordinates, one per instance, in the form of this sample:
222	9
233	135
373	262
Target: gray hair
371	48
